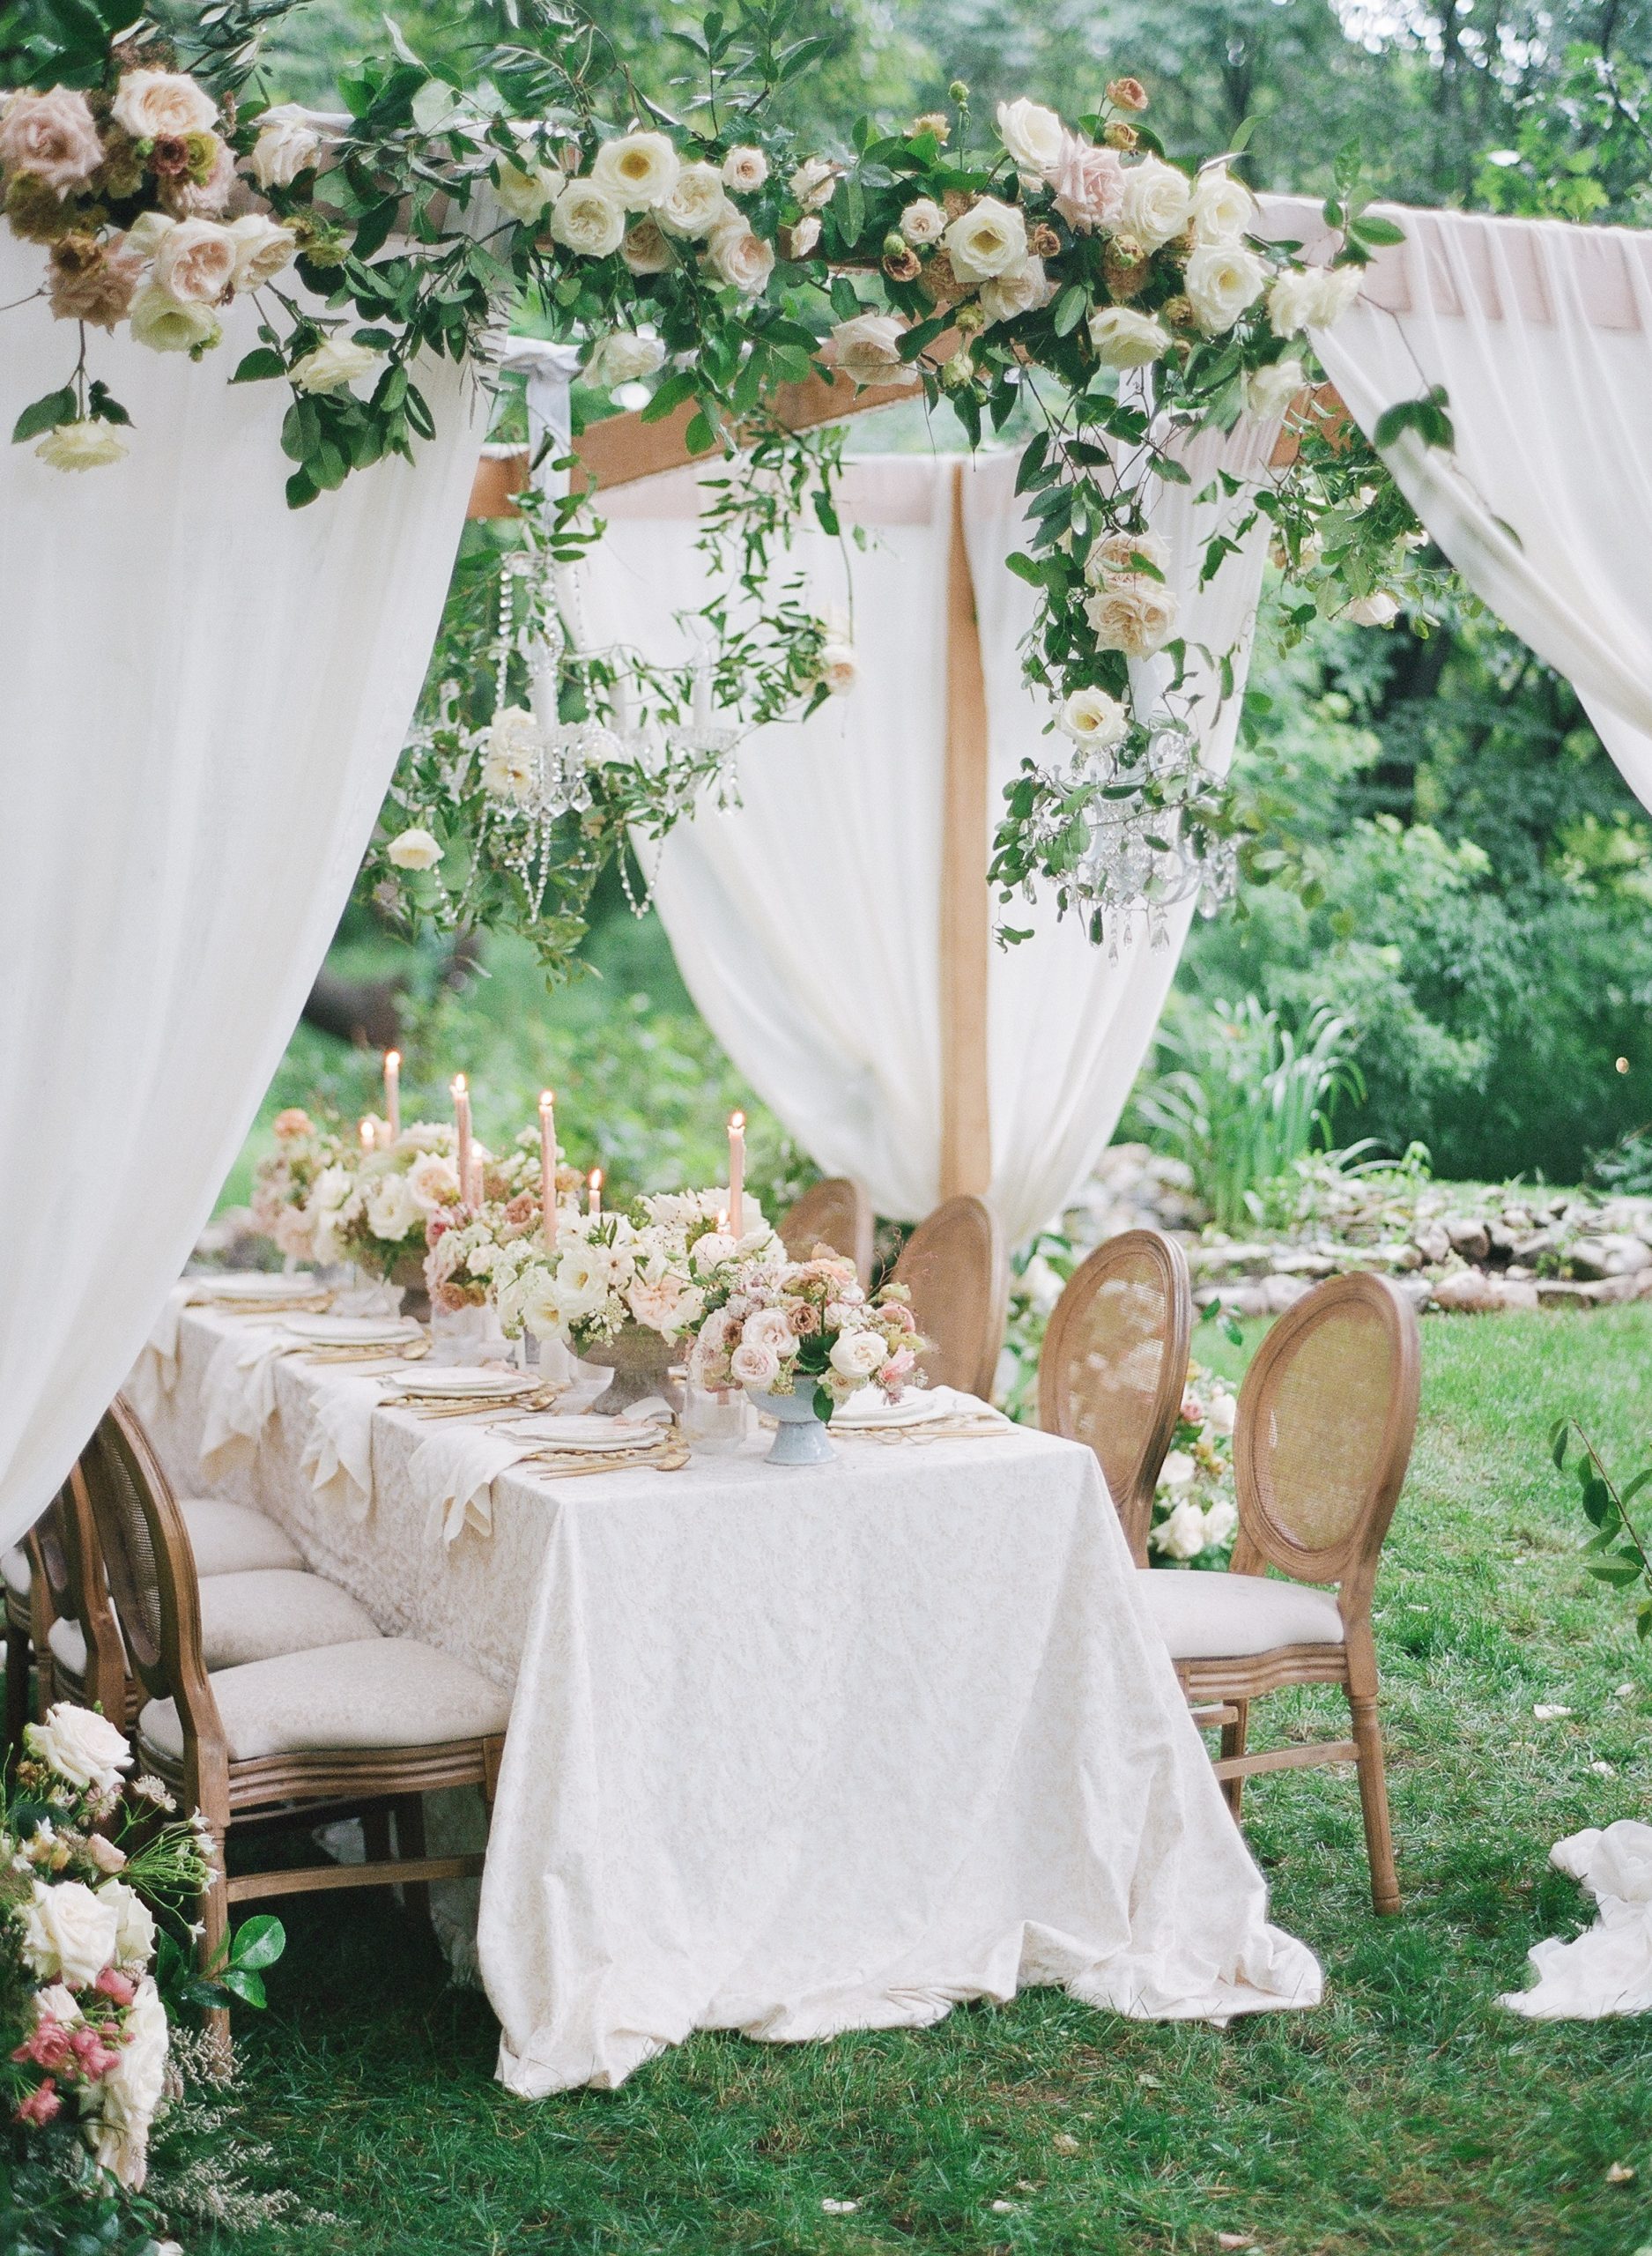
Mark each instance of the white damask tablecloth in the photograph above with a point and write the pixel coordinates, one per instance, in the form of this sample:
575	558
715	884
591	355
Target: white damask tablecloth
792	1751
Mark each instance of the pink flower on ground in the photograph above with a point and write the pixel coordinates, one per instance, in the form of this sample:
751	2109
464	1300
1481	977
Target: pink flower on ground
112	1984
40	2105
51	137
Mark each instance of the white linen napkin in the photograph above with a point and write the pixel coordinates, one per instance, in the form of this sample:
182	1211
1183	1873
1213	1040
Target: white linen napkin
338	1451
238	1395
454	1469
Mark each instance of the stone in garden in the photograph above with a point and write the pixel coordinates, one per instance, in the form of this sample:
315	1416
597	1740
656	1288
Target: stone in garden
1560	1292
1538	1243
1469	1236
1615	1255
1630	1216
1469	1291
1281	1292
1432	1241
1288	1262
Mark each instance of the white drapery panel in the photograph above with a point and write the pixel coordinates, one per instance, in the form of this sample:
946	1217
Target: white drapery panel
201	698
1541	336
806	920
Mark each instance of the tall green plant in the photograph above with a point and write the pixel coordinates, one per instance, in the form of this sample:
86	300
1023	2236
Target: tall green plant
1250	1097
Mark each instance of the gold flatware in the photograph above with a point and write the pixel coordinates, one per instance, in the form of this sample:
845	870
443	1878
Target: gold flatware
666	1456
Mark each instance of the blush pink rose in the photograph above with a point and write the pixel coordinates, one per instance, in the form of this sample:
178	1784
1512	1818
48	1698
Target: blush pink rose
50	137
1089	184
42	2105
112	1984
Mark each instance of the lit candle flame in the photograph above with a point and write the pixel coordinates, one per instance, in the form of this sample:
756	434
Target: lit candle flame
737	1120
460	1084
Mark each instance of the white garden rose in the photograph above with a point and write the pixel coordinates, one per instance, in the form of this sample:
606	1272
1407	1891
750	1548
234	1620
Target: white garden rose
839	668
81	446
1156	203
195	262
1222	1414
1125	338
754	1365
867	348
1222	279
433	1181
1182	1536
335	363
814	182
148	231
745	171
694	203
799	239
1135	616
857	1355
1119	554
1022	290
1222	207
510	760
262	249
129	2095
1379	610
638	169
1268	391
1034	135
57	2003
1177	1470
1221	1522
582	1276
771	1327
742	259
69	1931
1093	719
162	106
1311	297
989	238
413	849
81	1745
585	218
923	221
135	1936
392	1211
623	356
287	145
526	192
644	249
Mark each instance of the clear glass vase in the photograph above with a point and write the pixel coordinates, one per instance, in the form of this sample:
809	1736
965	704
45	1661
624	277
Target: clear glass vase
715	1419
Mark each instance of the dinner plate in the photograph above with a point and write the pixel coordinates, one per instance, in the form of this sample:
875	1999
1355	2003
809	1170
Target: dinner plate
354	1331
460	1381
582	1433
868	1409
254	1284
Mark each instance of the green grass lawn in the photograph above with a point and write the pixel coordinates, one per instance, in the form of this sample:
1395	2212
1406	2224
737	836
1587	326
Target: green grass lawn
1408	2114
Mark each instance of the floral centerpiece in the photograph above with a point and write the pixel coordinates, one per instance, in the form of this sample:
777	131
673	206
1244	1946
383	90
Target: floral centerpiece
373	1206
285	1178
1196	1516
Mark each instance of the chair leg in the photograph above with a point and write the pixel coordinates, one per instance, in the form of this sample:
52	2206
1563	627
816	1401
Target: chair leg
19	1658
1233	1737
214	1914
410	1845
1374	1801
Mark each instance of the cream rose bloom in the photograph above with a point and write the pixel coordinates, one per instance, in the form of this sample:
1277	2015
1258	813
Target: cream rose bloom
1123	338
923	221
637	169
135	1938
162	105
81	1745
1135	616
1311	297
433	1181
801	237
287	145
771	1327
1222	207
867	348
81	446
129	2095
1268	391
69	1931
623	356
754	1365
1093	719
50	137
857	1355
1223	1413
510	763
392	1211
745	171
1121	554
1022	290
644	249
525	193
1222	279
581	1281
262	249
1181	1536
742	259
814	182
585	218
1379	610
195	262
333	365
148	231
839	668
1089	184
1155	202
1034	135
413	849
989	238
694	203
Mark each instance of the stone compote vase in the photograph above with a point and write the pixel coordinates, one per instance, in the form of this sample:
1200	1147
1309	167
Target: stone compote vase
640	1361
800	1436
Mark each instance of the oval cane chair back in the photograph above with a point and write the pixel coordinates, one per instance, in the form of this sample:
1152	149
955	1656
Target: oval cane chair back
836	1212
954	1266
1114	1366
1327	1415
84	1598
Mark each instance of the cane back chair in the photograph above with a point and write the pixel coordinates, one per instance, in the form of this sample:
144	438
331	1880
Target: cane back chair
836	1212
955	1268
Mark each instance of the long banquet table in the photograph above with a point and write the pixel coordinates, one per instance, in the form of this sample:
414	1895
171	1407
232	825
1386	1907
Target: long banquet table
791	1752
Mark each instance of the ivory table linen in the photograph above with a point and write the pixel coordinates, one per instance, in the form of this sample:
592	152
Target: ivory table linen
793	1752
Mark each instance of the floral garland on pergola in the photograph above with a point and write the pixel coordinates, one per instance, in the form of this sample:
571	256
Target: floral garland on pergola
1070	276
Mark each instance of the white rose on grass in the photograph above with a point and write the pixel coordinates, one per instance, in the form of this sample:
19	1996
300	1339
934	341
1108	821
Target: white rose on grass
135	1938
81	446
1268	391
1034	135
195	262
1135	616
585	218
745	170
262	249
638	169
413	849
1379	610
162	106
1311	297
754	1365
287	144
1093	719
743	260
989	238
80	1746
857	1354
813	183
867	348
1222	207
1156	204
1022	290
1222	279
69	1931
335	363
623	356
1123	338
129	2095
1181	1536
694	203
525	192
923	221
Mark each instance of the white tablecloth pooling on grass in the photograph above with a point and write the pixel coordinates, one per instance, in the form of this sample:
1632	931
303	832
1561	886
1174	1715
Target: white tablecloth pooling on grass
797	1752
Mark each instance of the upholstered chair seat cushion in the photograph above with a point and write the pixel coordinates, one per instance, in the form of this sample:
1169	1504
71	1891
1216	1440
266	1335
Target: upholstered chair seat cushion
381	1693
253	1616
14	1565
231	1538
1221	1617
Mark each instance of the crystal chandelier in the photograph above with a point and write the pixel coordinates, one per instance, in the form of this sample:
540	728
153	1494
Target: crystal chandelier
1145	806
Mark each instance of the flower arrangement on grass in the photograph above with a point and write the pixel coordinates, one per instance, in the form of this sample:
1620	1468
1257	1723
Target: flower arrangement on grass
1196	1516
285	1178
788	1327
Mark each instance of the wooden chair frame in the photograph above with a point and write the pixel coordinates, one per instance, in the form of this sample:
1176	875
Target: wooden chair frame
1135	1505
827	1213
170	1666
80	1589
966	1217
19	1658
1351	1563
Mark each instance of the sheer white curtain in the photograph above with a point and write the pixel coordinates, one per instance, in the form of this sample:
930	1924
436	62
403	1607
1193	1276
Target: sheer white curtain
1542	335
806	920
201	696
